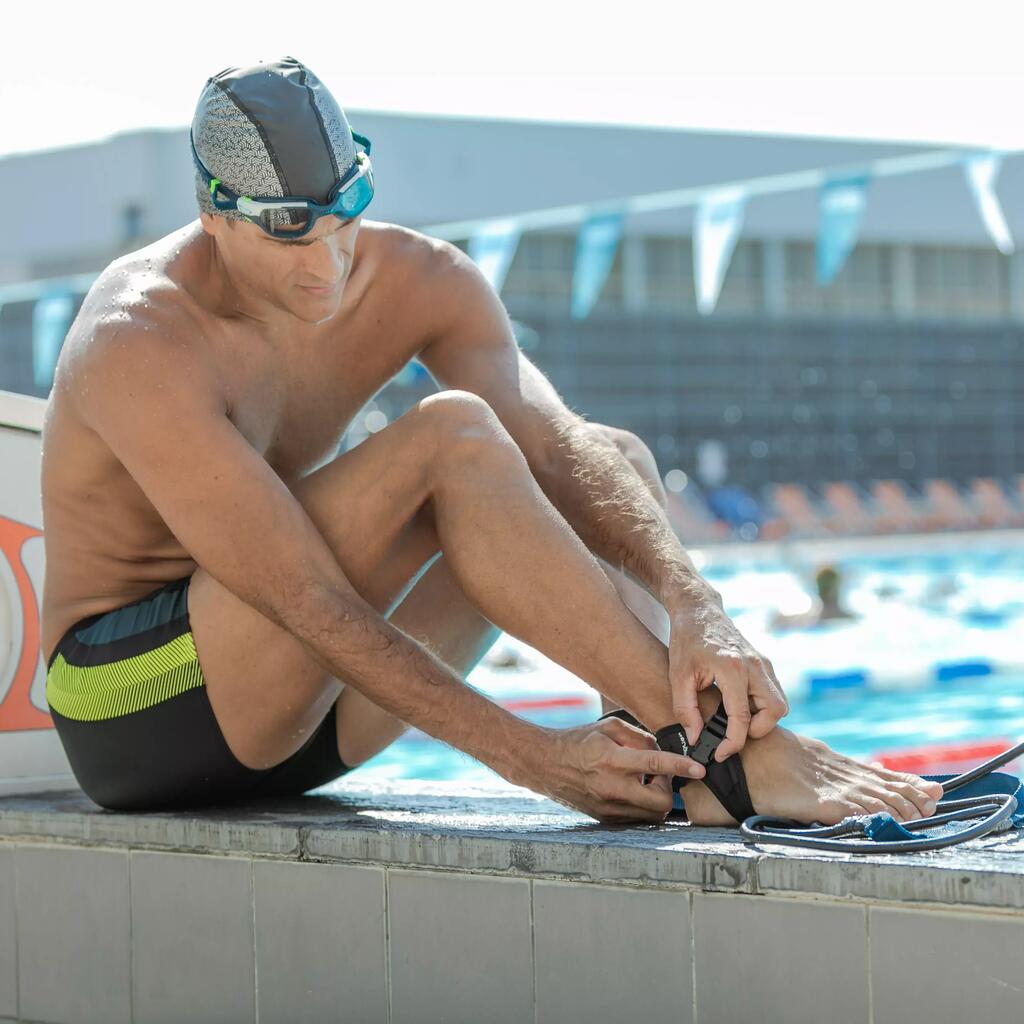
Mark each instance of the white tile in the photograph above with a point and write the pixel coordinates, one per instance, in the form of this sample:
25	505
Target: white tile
764	959
73	934
605	954
459	949
320	943
192	939
8	940
927	965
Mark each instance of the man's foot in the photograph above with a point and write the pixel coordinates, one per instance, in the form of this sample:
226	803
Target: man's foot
797	777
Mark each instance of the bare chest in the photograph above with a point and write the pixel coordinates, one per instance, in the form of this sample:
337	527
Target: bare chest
294	404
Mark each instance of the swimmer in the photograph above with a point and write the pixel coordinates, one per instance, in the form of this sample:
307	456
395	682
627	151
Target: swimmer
232	610
826	608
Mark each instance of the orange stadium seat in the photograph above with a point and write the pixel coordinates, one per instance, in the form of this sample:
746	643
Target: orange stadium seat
795	507
994	507
951	510
850	511
900	511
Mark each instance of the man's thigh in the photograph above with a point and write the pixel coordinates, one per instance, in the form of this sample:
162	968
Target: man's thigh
266	690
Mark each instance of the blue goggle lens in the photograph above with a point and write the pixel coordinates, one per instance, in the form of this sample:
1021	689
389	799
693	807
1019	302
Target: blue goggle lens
355	198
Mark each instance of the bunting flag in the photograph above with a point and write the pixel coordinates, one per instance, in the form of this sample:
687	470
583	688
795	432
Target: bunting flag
981	174
51	318
716	229
596	243
492	247
840	207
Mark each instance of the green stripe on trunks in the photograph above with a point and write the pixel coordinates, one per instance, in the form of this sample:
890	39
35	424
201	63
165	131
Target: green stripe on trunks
98	692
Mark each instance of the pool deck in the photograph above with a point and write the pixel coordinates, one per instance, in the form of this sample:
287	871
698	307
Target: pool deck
414	901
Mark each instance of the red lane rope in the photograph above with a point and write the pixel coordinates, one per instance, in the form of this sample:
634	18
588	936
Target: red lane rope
941	753
538	703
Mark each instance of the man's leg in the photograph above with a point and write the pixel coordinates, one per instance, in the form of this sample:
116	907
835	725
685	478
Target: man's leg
438	613
516	560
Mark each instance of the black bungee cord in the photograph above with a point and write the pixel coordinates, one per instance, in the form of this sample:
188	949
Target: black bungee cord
999	808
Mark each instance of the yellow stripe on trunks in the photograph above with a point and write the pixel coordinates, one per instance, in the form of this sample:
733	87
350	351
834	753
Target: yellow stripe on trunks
94	693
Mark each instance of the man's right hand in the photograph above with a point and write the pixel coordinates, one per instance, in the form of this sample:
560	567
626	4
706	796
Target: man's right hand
598	769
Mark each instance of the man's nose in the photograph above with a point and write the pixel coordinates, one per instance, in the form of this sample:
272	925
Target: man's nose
324	260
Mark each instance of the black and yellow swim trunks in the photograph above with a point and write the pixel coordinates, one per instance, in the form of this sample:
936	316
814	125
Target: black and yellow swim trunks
130	705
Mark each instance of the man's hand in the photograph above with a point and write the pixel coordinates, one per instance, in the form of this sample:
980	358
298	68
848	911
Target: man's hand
705	647
598	769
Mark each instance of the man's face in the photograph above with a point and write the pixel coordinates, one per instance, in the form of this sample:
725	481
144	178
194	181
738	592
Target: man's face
305	277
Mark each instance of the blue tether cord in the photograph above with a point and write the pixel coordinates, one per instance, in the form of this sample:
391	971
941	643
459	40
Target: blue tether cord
982	791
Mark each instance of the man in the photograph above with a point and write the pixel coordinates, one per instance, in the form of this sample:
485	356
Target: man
232	611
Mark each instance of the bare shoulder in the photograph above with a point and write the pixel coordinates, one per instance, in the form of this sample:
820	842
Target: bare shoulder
446	287
134	319
414	254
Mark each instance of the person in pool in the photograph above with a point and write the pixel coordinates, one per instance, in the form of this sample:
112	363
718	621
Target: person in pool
233	610
827	608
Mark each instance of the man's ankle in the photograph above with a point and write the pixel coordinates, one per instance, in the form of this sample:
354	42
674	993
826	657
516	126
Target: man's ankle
707	700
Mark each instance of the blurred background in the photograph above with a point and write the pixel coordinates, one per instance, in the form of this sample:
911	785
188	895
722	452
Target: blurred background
788	264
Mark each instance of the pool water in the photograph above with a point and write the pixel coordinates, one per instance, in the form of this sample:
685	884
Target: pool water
915	613
859	725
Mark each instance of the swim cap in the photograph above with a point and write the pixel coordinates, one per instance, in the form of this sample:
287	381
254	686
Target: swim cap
271	129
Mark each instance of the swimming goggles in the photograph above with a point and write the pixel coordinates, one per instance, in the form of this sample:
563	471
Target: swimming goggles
294	216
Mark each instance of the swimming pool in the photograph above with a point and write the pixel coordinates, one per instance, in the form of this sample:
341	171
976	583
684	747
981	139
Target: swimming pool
934	657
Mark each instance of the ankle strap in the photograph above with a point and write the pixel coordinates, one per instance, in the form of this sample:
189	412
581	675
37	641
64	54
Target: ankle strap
725	779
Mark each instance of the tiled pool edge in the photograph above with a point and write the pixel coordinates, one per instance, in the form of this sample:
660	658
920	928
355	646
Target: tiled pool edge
480	908
512	836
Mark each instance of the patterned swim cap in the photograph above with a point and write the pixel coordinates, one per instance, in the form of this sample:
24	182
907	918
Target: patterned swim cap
271	129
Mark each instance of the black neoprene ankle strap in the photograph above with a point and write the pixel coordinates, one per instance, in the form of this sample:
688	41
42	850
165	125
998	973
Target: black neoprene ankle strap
625	716
678	781
727	779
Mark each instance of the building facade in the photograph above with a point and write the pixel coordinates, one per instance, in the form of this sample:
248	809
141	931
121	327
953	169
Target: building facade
906	366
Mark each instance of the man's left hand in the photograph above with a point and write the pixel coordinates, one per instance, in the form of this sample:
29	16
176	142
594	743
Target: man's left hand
705	647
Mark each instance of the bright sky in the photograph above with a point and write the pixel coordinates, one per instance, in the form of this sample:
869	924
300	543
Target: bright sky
935	71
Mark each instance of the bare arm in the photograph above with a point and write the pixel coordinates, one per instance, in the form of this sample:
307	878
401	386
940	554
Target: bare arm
602	497
583	473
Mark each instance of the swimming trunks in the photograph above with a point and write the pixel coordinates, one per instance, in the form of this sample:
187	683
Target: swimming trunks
130	705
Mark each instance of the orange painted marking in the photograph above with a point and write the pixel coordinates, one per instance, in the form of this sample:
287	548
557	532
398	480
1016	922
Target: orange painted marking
17	712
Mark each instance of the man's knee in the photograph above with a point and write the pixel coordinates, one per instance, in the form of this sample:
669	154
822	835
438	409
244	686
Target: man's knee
456	411
638	455
465	426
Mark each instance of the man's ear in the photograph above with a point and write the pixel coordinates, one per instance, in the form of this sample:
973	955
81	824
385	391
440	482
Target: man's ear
213	225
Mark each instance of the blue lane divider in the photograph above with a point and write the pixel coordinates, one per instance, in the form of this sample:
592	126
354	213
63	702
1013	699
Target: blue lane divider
946	671
852	679
984	617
